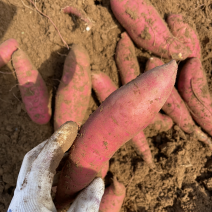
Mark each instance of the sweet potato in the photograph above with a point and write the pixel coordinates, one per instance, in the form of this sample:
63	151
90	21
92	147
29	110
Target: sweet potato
33	89
193	88
116	121
147	29
129	69
113	197
73	94
185	33
103	87
6	50
176	108
126	59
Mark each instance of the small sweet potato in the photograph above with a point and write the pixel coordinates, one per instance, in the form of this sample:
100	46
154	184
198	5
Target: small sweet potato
116	121
6	50
73	94
126	59
113	197
33	89
185	33
147	29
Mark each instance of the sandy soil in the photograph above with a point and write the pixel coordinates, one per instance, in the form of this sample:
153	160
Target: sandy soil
185	182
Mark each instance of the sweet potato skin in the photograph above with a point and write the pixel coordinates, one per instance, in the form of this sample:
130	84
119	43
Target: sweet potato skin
147	29
153	62
162	122
6	50
73	94
113	197
185	33
129	69
193	87
103	87
110	126
142	148
34	92
177	110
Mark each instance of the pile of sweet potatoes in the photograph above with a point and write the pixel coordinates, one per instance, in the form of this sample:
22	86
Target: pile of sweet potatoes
124	112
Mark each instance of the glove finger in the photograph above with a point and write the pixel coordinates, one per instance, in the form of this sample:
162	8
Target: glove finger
38	181
89	199
52	153
27	163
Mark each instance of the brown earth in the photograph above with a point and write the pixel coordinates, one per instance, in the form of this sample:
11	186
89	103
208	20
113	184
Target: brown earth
185	180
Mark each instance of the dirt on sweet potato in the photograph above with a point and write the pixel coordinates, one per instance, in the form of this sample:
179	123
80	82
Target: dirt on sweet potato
183	181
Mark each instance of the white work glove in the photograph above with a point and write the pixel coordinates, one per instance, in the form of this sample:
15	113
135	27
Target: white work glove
33	189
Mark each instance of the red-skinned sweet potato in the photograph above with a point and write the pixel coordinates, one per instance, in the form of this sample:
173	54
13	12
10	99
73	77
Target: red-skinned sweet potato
33	89
113	197
6	50
193	87
126	59
185	33
73	94
147	29
116	121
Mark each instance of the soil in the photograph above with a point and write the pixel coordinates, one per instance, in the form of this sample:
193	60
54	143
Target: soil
184	179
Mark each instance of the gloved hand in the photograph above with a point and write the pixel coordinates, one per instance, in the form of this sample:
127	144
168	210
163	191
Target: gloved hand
33	189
